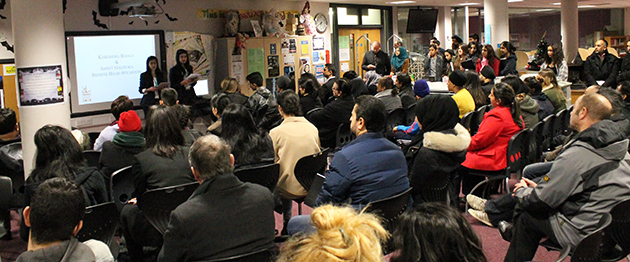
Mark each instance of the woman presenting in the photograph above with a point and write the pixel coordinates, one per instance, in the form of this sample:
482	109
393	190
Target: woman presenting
178	76
149	82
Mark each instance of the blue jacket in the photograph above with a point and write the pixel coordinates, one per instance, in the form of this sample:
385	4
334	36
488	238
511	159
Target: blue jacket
369	168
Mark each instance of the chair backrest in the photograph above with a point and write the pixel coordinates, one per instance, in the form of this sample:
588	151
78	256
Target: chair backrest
589	247
547	131
390	208
394	119
344	135
122	186
522	59
477	118
436	188
410	114
93	136
309	166
92	157
535	142
316	188
517	151
257	256
558	123
467	120
264	175
6	191
619	231
157	204
100	223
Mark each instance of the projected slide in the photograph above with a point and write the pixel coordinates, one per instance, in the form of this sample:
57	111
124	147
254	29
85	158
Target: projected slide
109	66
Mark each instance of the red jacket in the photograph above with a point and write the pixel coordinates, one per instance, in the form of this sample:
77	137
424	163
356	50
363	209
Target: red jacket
495	66
488	147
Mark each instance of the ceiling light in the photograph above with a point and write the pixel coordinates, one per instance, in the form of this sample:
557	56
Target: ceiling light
465	4
401	2
586	6
514	1
543	10
556	3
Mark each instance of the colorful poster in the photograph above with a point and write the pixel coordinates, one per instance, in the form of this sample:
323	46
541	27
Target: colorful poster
272	49
256	60
273	66
319	73
318	57
41	85
304	45
288	70
284	45
305	65
318	42
9	69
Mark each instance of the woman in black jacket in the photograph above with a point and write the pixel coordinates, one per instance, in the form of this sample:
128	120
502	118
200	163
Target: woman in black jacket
178	76
249	144
309	99
149	81
440	146
508	59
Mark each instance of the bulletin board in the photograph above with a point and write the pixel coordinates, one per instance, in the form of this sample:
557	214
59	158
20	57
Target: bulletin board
8	85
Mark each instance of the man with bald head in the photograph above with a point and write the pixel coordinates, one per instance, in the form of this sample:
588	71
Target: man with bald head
601	66
589	177
376	60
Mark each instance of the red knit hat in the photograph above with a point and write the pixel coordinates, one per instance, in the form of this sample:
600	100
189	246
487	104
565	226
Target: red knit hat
129	122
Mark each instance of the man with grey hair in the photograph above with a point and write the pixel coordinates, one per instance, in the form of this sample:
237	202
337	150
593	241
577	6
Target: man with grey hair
224	217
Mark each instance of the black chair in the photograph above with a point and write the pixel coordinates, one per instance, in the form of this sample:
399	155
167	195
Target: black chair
92	157
435	189
122	186
589	248
467	120
410	114
264	175
100	223
313	192
390	208
306	169
534	152
395	118
157	204
343	136
617	234
257	256
93	136
477	118
516	160
6	191
547	132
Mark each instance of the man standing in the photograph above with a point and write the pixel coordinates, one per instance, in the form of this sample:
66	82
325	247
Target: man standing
224	217
601	66
376	60
261	103
589	177
434	66
326	91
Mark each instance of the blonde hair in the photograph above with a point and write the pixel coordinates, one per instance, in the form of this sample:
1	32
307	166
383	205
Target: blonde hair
230	85
342	235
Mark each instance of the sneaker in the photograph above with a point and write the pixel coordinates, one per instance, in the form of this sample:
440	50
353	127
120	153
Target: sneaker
480	215
476	202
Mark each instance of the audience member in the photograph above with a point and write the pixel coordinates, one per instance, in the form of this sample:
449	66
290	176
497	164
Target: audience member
456	41
421	89
554	60
507	66
371	81
211	224
219	102
475	53
121	104
435	232
439	147
163	164
545	107
60	155
11	163
449	58
129	141
552	90
399	59
388	94
340	234
333	114
149	82
261	104
232	89
82	138
405	90
325	93
292	140
250	145
309	98
180	81
601	66
55	216
168	97
562	198
183	116
434	65
487	150
357	85
488	58
436	42
529	107
462	97
473	87
624	89
284	83
624	69
376	60
486	79
473	38
462	55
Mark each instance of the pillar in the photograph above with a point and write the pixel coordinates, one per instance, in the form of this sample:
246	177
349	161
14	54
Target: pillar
39	41
444	27
496	22
466	24
569	28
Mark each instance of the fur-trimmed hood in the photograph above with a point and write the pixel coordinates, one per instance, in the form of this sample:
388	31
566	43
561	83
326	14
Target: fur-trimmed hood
446	142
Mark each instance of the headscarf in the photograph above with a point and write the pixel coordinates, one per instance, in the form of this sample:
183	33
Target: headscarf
399	60
371	78
436	113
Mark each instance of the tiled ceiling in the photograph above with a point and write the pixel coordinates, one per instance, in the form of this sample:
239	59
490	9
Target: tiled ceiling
531	4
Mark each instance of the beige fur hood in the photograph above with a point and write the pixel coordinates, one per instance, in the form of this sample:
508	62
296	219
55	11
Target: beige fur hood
448	142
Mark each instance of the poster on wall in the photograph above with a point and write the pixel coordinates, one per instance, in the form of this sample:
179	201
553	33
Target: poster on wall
288	70
289	60
237	68
318	42
273	66
305	65
256	61
41	85
319	74
1	92
272	49
304	47
318	57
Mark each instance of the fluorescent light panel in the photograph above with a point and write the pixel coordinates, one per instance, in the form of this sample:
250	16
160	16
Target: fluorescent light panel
401	2
465	4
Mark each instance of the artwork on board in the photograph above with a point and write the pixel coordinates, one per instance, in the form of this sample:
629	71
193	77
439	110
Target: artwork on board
273	66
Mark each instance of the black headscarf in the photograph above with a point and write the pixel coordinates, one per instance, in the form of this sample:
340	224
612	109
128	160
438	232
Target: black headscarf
436	113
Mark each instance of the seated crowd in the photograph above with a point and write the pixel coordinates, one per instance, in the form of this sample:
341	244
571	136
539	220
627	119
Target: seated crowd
226	217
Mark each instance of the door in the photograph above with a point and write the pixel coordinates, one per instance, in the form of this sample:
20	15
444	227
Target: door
358	46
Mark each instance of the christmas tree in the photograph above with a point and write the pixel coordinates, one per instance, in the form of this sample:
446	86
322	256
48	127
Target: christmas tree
539	57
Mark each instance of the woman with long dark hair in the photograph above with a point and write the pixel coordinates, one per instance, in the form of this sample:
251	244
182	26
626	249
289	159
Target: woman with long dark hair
178	76
474	87
149	82
508	59
249	144
551	89
554	60
474	51
309	99
487	150
462	55
488	57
